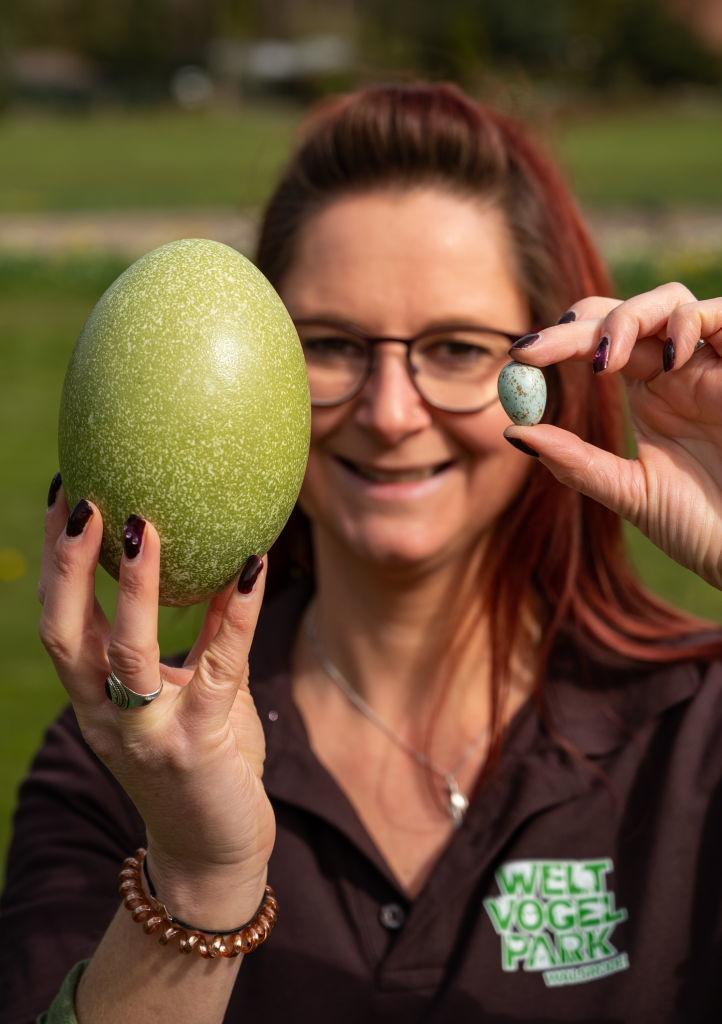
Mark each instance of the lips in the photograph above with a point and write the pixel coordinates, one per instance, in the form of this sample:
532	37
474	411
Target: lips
393	476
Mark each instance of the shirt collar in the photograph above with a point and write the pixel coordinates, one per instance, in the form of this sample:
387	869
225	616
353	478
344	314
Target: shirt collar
597	700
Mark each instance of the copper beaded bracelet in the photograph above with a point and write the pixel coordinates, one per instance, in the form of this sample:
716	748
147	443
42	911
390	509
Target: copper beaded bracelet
154	917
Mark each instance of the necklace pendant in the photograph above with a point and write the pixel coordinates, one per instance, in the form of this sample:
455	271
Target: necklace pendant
458	803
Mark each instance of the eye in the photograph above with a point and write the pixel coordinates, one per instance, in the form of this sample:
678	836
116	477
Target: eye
450	348
329	348
454	353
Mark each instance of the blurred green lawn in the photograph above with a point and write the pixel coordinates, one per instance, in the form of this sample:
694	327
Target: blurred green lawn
169	159
140	160
650	158
653	157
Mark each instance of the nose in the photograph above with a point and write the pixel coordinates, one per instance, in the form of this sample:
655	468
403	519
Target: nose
389	405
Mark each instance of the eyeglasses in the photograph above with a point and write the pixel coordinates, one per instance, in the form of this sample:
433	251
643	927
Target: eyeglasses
453	368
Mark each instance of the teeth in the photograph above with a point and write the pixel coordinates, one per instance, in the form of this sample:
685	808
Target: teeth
384	476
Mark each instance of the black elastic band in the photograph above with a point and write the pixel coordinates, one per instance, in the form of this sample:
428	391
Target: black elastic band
192	927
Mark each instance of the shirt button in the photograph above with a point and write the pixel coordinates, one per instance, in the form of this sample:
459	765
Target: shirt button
392	916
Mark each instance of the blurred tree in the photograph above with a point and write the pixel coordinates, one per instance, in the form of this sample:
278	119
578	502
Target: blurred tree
134	40
647	42
615	43
138	44
610	45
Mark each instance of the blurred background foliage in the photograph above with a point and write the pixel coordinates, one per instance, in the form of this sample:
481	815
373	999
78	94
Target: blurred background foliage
601	47
132	49
127	124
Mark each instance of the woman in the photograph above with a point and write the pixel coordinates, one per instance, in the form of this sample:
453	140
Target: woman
490	757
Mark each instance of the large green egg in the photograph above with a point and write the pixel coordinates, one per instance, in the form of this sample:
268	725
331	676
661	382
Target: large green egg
186	402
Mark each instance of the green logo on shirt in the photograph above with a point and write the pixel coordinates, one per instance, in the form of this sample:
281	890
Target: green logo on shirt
557	917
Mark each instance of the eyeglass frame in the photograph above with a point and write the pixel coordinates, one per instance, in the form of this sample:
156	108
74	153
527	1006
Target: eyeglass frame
373	340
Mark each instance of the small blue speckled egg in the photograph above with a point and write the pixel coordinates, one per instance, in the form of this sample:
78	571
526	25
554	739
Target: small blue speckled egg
523	393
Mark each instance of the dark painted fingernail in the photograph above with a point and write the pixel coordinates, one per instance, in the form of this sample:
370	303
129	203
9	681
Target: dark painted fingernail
78	518
55	485
567	318
668	355
525	342
601	356
522	446
133	531
249	574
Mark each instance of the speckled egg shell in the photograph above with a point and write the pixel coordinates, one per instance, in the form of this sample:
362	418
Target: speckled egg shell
186	402
523	393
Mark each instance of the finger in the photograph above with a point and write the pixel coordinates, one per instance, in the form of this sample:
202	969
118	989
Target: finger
630	337
599	474
73	627
55	519
133	646
592	307
644	316
689	323
209	696
588	341
549	345
575	340
211	622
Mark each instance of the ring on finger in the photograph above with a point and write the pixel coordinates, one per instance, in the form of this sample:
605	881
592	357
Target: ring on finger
123	697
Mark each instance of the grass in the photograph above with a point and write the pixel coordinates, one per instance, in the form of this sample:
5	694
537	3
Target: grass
139	160
647	158
169	159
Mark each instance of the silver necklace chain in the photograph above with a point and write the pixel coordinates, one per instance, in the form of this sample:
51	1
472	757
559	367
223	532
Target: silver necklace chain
457	802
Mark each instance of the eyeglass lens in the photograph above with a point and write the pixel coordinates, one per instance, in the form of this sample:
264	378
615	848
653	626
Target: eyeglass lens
453	369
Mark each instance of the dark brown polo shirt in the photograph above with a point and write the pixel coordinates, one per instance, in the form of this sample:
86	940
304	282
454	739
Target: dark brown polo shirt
580	888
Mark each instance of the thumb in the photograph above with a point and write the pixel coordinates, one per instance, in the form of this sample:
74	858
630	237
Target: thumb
223	666
601	475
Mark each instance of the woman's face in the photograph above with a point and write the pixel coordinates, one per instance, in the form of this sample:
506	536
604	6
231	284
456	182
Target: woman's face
391	479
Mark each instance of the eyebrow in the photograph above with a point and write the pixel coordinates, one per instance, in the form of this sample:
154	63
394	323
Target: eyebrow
448	324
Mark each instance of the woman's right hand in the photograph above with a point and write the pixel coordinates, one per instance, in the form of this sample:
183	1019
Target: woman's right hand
192	760
672	489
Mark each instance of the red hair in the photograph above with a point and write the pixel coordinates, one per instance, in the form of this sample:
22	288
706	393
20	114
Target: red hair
553	545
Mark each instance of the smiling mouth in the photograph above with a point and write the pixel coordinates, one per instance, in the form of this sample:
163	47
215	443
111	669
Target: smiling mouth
394	476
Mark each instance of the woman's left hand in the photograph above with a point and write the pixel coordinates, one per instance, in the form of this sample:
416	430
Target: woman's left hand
672	490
